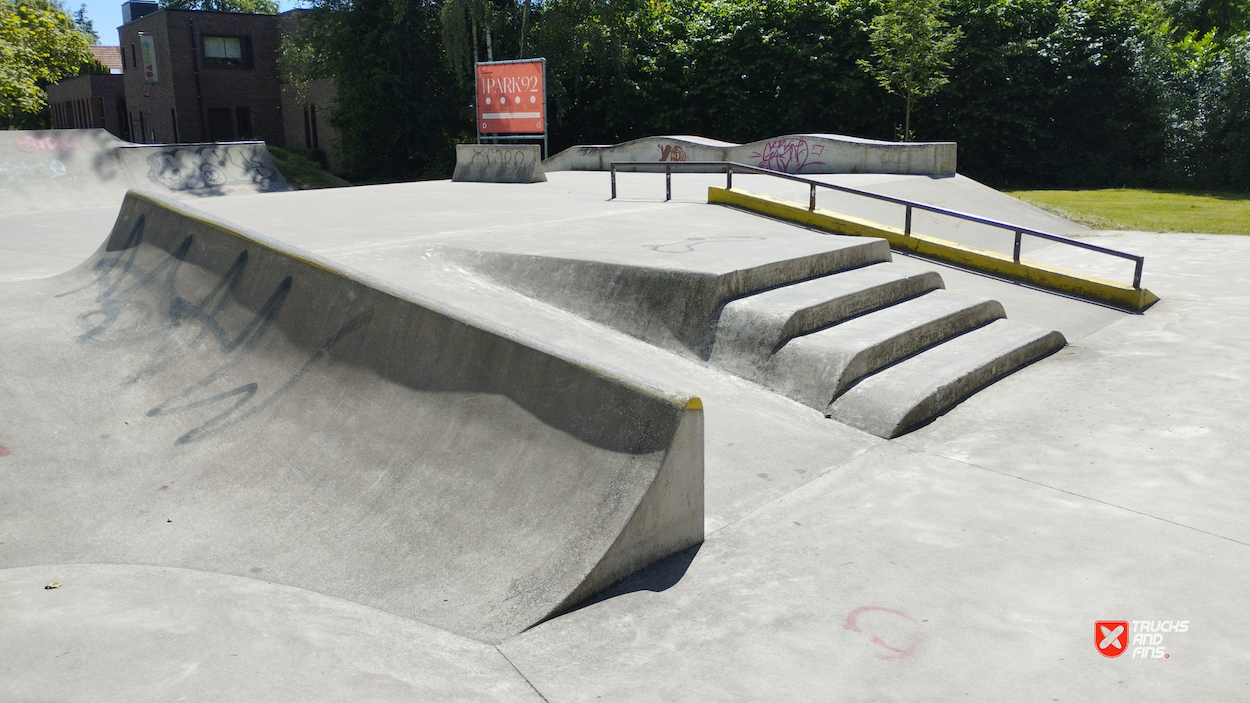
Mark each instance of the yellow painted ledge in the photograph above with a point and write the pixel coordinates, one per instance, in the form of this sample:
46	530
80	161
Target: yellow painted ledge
1070	282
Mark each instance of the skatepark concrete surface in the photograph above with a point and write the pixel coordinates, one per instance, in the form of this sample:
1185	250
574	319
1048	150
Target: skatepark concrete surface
295	555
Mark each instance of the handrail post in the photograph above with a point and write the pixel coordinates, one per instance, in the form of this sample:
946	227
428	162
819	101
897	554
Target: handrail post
729	178
907	223
612	167
668	183
1016	254
1141	261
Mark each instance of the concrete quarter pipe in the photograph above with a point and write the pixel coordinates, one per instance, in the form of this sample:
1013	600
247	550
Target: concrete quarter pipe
72	168
224	400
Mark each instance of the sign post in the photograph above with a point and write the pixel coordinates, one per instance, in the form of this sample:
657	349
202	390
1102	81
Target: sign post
511	98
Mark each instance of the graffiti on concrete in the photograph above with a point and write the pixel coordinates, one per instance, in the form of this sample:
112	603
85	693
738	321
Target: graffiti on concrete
789	154
17	172
671	152
894	633
137	306
500	156
687	245
31	144
209	167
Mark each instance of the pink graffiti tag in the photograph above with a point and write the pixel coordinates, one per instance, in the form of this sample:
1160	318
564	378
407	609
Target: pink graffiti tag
30	145
789	155
4	451
891	652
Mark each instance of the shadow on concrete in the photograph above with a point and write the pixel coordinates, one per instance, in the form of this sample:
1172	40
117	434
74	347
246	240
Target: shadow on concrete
659	577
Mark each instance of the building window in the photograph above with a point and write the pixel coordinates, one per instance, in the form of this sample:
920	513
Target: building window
228	52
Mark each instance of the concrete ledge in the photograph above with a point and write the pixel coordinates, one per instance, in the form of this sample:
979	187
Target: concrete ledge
1100	290
498	163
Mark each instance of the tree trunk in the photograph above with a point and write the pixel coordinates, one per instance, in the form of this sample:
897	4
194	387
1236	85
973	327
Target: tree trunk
907	119
525	18
490	53
473	23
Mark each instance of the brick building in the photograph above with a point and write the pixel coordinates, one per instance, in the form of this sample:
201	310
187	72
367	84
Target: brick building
194	76
92	100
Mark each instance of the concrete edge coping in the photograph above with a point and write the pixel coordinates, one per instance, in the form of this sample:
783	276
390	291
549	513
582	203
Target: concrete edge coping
1073	283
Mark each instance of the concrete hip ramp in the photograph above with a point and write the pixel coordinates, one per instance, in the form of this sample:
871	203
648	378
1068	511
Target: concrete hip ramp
224	402
73	168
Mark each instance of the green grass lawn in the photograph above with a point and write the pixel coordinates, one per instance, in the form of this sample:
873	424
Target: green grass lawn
1148	210
302	172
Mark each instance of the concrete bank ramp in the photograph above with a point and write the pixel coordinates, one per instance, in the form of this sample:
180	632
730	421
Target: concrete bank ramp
73	168
199	396
793	153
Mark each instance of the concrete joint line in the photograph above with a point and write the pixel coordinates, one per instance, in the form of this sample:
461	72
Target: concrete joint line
1095	500
521	674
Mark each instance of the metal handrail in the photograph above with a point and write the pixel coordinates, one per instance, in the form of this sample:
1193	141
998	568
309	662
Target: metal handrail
731	166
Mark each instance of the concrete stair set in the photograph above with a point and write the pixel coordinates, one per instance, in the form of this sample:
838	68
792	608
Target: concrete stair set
829	321
879	348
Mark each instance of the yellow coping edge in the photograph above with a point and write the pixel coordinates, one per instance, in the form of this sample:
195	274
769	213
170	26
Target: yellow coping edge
1089	287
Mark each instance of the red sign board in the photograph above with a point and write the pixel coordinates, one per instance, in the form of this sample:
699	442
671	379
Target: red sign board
511	97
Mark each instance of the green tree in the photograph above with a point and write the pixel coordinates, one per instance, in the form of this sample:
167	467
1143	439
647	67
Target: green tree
85	25
1226	17
398	110
39	45
753	69
255	7
911	45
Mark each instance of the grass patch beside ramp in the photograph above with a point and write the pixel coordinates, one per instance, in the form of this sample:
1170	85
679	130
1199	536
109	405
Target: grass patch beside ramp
1210	212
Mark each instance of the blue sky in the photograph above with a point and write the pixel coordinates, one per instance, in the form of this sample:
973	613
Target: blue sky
106	15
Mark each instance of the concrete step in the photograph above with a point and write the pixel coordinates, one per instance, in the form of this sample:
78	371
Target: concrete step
751	329
816	368
904	396
659	287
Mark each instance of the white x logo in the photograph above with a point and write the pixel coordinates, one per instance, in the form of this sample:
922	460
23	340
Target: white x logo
1110	637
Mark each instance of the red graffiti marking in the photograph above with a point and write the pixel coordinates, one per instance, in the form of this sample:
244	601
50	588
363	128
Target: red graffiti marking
4	451
671	152
892	652
30	145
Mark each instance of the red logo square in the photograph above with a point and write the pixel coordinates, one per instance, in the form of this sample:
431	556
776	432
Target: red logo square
1111	637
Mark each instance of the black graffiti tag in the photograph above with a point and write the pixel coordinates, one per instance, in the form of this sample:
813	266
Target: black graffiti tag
183	326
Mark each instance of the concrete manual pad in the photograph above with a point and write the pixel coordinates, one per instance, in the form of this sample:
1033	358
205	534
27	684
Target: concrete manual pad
146	633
